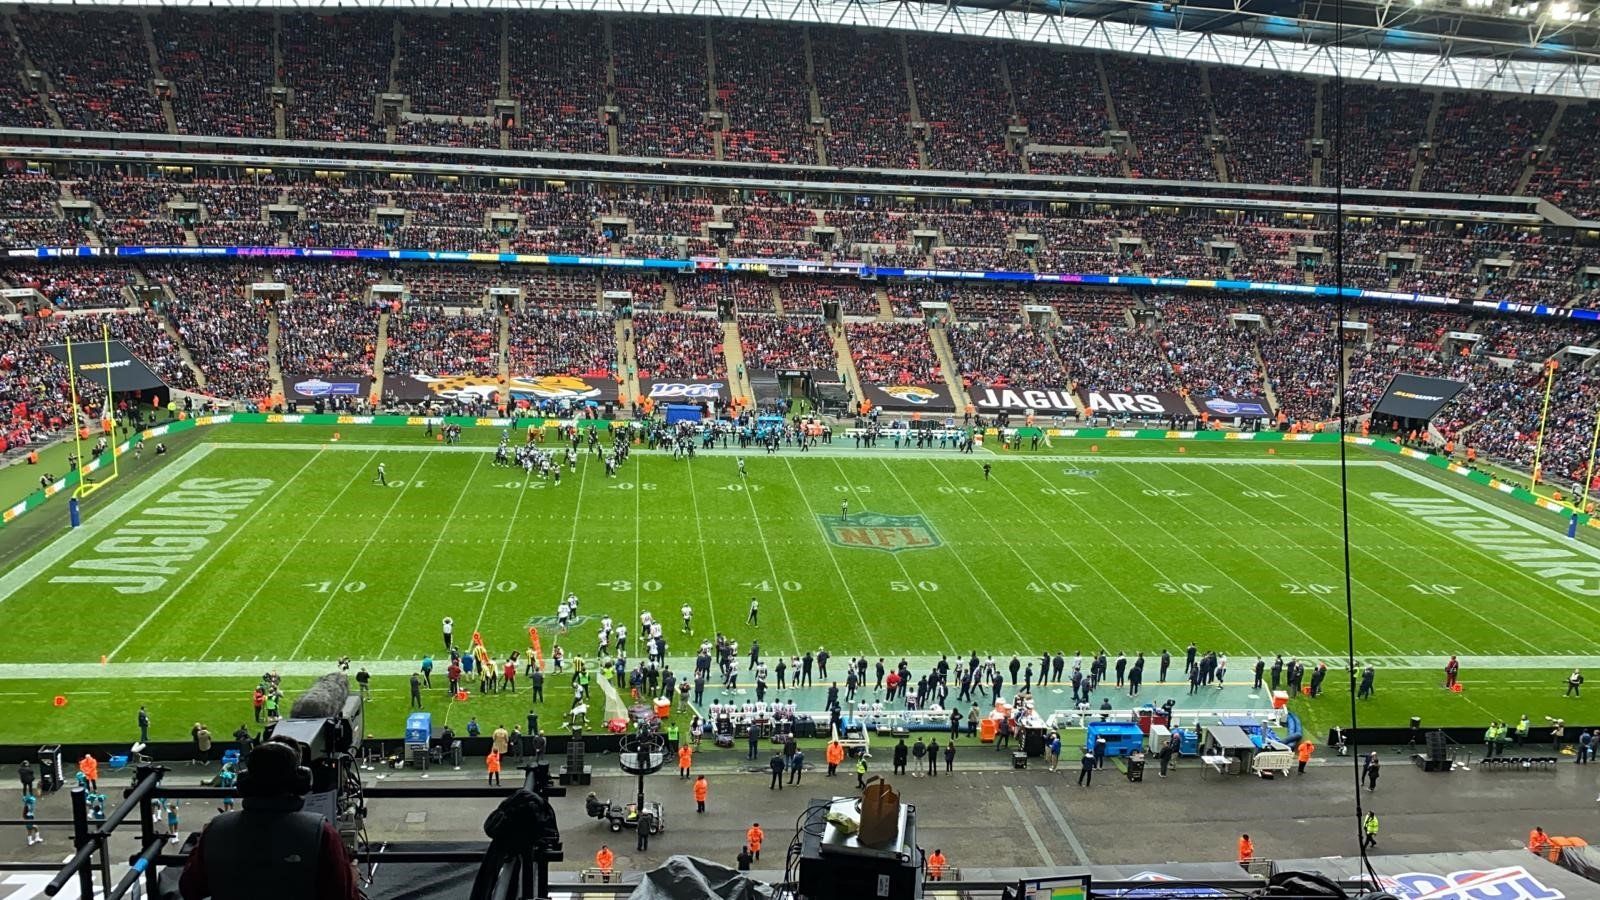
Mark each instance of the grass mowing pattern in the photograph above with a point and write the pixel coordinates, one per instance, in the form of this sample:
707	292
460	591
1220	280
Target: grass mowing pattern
1144	550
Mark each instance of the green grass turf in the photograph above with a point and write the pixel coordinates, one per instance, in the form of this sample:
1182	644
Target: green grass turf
1131	547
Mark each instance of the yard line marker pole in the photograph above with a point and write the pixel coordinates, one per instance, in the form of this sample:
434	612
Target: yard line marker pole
1544	414
1588	473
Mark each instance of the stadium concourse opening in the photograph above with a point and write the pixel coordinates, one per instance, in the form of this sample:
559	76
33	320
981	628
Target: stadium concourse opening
1149	460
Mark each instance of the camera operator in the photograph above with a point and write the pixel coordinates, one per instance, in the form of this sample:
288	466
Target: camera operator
270	849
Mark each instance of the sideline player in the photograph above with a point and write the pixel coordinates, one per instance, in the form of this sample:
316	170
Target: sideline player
741	467
688	618
383	476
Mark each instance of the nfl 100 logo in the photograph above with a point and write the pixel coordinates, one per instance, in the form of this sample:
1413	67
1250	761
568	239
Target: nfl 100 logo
876	531
1507	883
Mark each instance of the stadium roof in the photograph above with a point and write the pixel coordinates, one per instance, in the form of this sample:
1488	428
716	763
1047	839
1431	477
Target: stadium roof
1546	47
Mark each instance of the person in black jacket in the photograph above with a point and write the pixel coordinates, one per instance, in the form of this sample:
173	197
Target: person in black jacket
775	764
900	754
745	858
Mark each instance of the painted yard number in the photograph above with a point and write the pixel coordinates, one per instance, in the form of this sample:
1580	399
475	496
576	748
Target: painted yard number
1435	590
331	587
770	586
621	585
1060	587
961	489
531	484
628	486
1186	587
483	587
924	586
1165	492
738	488
856	488
1265	495
1320	589
1062	492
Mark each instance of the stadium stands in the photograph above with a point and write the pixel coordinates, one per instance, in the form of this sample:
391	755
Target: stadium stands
561	341
557	75
787	342
661	87
435	341
863	99
336	64
892	352
679	346
98	67
221	68
761	85
1008	355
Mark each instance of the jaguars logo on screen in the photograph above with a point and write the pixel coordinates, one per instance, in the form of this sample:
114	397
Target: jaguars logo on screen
911	393
876	531
1506	883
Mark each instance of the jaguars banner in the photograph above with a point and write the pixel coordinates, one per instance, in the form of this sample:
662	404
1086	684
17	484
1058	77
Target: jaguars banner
932	397
1009	398
531	388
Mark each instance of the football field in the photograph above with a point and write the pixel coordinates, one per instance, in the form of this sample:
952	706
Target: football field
264	547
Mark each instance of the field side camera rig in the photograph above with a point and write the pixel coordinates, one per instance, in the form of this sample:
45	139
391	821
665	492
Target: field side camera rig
326	724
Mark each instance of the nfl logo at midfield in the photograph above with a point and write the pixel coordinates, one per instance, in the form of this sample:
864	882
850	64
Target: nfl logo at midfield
876	531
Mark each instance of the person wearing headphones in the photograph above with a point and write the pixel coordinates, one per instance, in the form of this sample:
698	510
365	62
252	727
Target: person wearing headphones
270	848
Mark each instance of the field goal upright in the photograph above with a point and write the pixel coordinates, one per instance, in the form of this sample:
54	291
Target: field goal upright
107	425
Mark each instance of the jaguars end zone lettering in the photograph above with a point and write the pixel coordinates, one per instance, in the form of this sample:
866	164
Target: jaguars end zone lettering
875	531
164	538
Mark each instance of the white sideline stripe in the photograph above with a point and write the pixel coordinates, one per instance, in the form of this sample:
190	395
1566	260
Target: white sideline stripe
222	545
1109	458
67	672
1522	522
49	555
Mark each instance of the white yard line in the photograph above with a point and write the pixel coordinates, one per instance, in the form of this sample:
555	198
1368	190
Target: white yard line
356	560
1086	565
423	573
1465	575
76	672
700	542
1189	548
57	550
1356	545
262	584
505	541
911	580
1338	569
221	545
838	570
1088	516
772	567
1044	583
1022	642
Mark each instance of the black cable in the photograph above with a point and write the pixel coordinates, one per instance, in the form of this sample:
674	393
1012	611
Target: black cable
1337	158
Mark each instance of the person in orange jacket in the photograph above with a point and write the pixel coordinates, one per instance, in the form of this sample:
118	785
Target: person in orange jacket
685	758
1303	753
936	864
835	757
754	837
604	859
1538	841
700	788
492	763
1247	850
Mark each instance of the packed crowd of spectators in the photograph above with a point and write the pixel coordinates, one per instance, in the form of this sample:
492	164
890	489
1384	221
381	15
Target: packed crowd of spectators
863	94
336	63
1114	358
962	97
1005	355
1210	353
77	287
800	296
557	287
705	293
225	331
1380	128
1482	142
1268	120
99	67
1569	174
436	341
326	335
684	346
1049	90
449	63
33	386
892	352
1165	113
761	86
221	68
660	68
561	341
558	76
1298	349
21	105
786	342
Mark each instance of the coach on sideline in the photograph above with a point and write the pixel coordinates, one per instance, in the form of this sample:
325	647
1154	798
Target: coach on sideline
270	849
